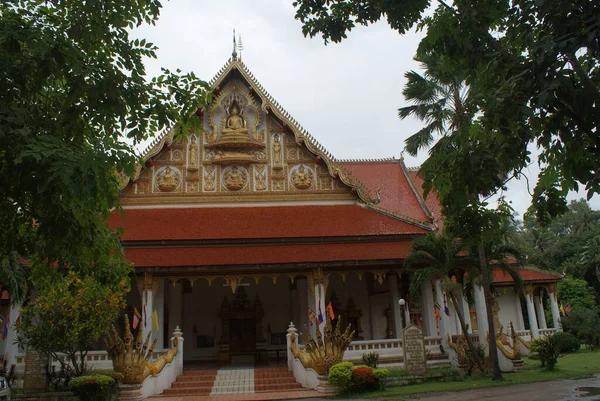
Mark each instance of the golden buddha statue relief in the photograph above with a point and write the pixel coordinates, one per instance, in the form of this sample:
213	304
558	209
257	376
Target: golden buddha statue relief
234	127
302	177
168	179
234	178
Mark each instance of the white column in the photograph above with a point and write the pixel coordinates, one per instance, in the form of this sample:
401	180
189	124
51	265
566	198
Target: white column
290	356
533	326
539	307
302	293
428	309
466	311
520	323
394	297
159	305
175	307
482	322
12	348
444	319
179	357
554	308
147	308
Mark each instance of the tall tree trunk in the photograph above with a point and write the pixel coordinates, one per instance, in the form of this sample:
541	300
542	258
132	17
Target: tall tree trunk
461	319
489	302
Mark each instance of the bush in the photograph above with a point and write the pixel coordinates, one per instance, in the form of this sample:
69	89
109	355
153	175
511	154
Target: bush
547	350
92	387
363	380
380	375
117	376
583	323
371	359
566	342
59	380
340	375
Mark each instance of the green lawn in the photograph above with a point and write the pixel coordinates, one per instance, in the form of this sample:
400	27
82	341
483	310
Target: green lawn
578	364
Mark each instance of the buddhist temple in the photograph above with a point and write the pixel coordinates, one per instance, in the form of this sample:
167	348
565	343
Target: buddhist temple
250	224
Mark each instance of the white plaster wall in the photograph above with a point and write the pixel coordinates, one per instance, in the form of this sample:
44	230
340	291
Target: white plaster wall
508	309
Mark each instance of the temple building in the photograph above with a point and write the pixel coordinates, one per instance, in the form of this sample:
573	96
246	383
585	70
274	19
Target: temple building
250	224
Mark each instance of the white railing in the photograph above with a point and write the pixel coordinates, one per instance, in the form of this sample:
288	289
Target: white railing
546	332
523	333
155	385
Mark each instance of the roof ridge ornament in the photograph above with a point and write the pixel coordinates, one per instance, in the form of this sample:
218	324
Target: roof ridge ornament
234	52
240	45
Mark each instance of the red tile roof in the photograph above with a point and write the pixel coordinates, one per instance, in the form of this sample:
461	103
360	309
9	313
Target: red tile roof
396	193
527	275
432	202
266	254
257	222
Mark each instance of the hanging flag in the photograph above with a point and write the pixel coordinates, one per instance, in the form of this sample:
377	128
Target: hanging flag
562	310
446	309
145	317
420	318
136	318
155	320
437	311
18	320
1	320
6	326
312	316
329	310
567	309
320	316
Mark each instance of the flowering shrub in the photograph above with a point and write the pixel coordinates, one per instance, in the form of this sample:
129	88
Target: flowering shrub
380	375
363	379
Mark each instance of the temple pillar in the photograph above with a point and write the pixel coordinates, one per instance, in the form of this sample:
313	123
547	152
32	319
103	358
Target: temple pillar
444	319
320	304
302	293
394	297
465	310
539	307
175	307
533	326
147	294
554	308
480	310
428	309
159	305
12	347
520	323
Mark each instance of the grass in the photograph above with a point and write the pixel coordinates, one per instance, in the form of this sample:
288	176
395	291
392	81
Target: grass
578	364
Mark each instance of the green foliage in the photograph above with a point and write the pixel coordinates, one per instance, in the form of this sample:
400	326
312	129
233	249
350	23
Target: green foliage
370	359
584	324
532	68
74	101
93	387
340	375
72	314
59	380
547	350
117	376
381	375
566	342
576	292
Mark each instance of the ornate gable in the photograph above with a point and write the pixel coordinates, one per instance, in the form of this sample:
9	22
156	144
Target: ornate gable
250	150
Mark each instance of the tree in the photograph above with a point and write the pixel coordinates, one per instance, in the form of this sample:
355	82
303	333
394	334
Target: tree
71	315
438	258
74	101
534	66
576	292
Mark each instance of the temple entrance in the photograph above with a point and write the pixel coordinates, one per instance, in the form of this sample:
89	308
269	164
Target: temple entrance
241	321
242	339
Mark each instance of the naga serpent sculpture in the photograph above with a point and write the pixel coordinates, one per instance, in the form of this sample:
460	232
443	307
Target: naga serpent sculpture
132	358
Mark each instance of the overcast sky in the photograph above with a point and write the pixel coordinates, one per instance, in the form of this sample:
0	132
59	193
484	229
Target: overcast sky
346	95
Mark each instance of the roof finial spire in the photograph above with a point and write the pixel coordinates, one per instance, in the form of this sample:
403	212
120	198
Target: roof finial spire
234	53
240	45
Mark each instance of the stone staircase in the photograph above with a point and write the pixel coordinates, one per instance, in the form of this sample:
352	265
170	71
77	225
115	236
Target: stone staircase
234	380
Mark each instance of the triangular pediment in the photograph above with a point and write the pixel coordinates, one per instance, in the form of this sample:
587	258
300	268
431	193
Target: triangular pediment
249	150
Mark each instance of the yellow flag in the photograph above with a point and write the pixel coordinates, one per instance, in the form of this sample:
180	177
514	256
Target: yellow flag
155	320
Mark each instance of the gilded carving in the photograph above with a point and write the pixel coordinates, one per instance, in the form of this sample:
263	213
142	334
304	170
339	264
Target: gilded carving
302	177
260	178
192	186
209	179
168	179
276	151
143	187
235	178
278	184
259	136
176	155
193	156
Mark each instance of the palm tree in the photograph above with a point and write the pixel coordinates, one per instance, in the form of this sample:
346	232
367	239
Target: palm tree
439	258
440	98
591	254
14	277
